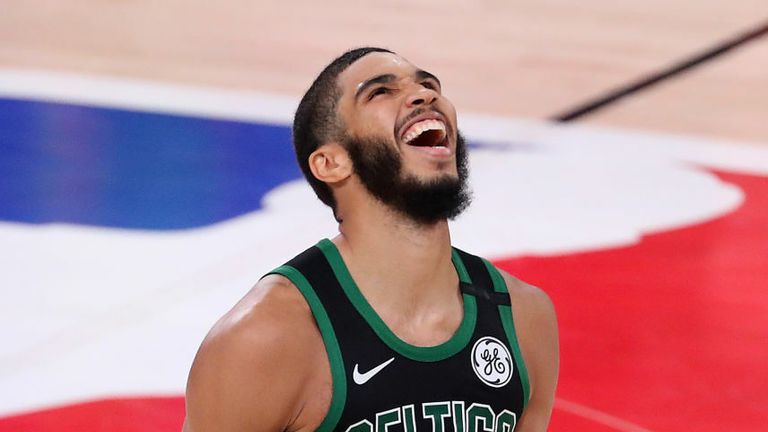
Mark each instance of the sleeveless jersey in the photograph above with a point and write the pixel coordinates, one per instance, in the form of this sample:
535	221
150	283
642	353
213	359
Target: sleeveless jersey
474	382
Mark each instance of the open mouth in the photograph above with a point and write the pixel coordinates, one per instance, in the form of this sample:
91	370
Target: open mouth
426	133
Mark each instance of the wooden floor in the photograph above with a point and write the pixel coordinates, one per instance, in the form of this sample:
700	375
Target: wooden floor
529	59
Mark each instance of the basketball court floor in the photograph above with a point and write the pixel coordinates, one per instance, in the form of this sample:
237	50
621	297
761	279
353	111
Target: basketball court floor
147	181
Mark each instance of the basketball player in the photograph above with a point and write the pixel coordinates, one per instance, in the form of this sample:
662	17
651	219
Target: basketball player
385	327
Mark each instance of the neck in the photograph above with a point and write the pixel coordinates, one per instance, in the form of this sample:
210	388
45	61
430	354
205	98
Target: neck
399	265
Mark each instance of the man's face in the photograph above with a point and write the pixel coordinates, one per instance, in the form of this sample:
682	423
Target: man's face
402	138
385	96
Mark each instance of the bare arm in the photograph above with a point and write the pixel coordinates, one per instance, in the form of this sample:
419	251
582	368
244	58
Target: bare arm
251	371
536	328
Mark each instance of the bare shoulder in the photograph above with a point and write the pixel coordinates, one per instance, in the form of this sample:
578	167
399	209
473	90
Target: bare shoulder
534	316
272	309
529	300
271	320
268	340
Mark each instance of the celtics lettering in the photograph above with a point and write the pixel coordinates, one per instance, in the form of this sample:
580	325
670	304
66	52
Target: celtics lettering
442	416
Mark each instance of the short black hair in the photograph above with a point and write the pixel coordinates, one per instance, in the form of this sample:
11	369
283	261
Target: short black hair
316	121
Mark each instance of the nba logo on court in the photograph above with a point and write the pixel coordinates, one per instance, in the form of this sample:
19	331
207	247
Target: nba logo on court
141	221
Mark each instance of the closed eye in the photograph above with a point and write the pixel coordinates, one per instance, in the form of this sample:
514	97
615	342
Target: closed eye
379	91
430	85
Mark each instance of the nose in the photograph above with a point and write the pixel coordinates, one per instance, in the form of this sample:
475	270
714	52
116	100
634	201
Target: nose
421	96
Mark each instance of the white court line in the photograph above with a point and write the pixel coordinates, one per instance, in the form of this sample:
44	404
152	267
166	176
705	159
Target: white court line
244	105
598	416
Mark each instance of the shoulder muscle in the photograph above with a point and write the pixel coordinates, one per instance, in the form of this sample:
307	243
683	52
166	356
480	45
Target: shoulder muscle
248	372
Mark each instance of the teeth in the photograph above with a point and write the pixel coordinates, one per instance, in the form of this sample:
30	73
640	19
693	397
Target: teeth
419	128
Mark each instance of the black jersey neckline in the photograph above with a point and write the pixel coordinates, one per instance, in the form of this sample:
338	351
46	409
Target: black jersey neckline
435	353
406	390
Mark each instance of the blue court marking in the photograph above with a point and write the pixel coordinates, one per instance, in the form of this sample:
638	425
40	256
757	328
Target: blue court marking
135	170
118	168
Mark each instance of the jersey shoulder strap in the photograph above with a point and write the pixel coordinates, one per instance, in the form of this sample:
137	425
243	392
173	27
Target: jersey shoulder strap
307	271
489	287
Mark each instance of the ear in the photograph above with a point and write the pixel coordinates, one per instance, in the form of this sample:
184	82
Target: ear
330	163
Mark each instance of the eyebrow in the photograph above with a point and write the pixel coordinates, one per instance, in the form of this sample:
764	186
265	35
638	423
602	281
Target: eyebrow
387	78
379	79
423	75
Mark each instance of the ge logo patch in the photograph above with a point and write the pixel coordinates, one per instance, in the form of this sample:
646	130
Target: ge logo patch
492	362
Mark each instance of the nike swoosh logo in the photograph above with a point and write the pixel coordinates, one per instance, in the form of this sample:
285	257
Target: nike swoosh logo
362	378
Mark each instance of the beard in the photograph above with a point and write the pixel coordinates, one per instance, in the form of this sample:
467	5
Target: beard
425	202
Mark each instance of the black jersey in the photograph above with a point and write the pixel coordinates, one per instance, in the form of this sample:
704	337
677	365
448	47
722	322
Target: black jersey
476	381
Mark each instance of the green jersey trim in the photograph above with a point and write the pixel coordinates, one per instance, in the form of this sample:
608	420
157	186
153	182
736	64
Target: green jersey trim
339	395
456	343
509	328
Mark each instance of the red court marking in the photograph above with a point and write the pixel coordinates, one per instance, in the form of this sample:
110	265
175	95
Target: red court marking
668	335
672	333
151	414
593	417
